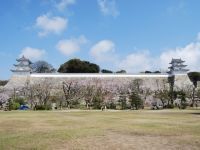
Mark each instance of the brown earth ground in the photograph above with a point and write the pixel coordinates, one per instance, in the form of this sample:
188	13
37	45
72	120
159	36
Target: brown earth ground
94	130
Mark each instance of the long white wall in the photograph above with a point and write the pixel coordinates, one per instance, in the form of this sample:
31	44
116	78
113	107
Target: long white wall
103	75
150	80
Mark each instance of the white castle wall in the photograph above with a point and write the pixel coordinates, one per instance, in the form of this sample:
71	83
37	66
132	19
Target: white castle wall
182	81
152	81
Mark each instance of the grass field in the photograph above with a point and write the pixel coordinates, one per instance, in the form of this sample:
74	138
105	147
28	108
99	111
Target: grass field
145	129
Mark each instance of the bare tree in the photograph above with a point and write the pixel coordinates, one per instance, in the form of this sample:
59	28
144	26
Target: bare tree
40	93
136	85
162	93
72	92
89	92
3	98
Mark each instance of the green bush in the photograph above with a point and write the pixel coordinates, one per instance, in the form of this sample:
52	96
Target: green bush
122	102
42	107
171	106
19	100
183	106
97	102
111	105
15	106
135	100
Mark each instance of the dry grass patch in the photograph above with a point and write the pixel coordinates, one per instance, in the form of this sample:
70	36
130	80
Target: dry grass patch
163	129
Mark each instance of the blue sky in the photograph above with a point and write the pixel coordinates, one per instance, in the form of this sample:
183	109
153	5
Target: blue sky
134	35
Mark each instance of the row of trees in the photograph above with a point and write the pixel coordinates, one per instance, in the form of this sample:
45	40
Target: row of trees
97	95
71	66
74	94
100	94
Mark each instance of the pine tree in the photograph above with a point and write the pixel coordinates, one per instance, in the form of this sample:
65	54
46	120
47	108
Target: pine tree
122	101
135	100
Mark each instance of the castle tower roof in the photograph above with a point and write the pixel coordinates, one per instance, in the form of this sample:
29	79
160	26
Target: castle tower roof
177	66
23	65
176	61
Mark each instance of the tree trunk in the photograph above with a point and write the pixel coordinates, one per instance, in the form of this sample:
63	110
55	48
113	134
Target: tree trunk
193	98
87	105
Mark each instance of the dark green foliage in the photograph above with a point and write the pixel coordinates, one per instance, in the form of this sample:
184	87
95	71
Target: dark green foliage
156	72
170	106
152	72
15	106
163	96
111	105
147	71
122	101
121	71
75	103
106	71
42	67
78	66
97	101
19	100
171	80
135	100
12	105
182	97
42	107
194	77
3	82
39	107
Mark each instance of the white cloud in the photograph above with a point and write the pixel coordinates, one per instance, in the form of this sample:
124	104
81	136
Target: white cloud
48	24
143	60
32	53
71	46
108	7
63	4
103	51
137	62
190	53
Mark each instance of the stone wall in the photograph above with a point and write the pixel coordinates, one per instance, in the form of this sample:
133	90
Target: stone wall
182	81
152	81
109	82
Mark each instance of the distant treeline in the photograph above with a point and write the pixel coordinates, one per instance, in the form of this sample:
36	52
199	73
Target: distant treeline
3	82
71	66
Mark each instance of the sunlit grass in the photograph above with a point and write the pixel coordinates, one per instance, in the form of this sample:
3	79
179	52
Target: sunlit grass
178	129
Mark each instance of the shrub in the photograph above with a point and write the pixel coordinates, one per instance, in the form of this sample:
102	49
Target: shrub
19	100
122	102
183	106
42	107
3	83
15	106
135	100
111	105
171	106
106	71
97	102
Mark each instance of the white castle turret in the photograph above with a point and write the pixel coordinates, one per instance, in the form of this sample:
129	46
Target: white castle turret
177	67
23	66
23	75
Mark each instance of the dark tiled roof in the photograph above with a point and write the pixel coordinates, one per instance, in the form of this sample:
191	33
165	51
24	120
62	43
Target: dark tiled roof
23	58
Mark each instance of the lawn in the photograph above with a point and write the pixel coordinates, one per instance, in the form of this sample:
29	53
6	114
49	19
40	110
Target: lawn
90	130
